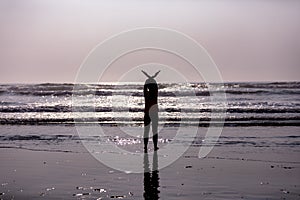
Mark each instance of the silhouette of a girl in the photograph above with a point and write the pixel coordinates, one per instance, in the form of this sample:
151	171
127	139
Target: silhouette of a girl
151	110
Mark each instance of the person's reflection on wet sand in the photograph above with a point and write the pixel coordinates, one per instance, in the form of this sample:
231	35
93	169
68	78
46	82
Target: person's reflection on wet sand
151	179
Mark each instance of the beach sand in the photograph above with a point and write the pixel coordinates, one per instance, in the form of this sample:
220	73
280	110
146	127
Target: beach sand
228	172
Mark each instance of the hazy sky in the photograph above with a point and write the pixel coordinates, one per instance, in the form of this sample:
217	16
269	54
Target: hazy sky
46	41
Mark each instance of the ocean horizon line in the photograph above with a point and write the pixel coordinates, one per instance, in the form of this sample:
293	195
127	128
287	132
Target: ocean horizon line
142	82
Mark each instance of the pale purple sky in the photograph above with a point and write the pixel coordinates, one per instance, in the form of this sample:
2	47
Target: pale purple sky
46	41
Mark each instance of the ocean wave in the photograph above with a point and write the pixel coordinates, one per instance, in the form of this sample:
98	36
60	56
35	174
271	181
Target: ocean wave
286	85
182	93
21	108
250	104
171	121
166	89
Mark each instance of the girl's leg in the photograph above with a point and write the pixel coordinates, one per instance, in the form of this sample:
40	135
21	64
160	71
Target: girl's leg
147	121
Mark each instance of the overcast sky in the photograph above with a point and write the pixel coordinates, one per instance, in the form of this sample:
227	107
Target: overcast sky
46	41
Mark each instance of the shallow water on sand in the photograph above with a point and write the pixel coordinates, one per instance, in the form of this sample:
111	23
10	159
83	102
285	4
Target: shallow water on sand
246	163
62	138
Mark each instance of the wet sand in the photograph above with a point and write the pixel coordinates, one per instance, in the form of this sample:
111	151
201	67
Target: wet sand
228	172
